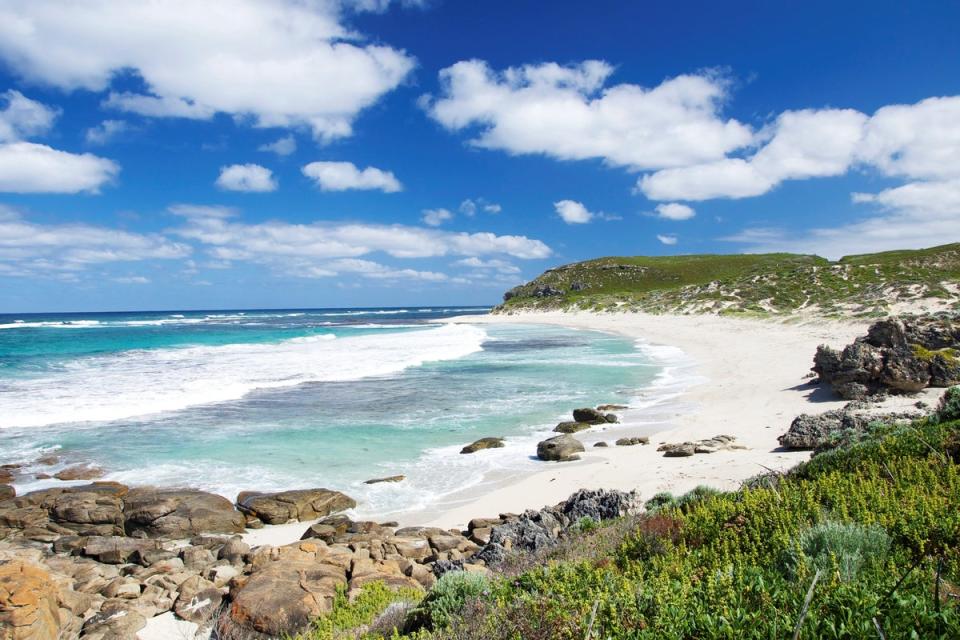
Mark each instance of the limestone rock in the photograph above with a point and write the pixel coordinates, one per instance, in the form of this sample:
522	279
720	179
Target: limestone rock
483	443
560	448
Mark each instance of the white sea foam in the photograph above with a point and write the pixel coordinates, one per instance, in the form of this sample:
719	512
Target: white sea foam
142	382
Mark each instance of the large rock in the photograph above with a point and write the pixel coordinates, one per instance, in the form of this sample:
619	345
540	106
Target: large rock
483	443
179	513
28	603
79	472
560	448
7	492
281	599
571	427
303	504
898	354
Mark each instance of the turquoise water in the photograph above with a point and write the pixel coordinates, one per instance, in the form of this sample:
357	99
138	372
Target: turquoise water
231	401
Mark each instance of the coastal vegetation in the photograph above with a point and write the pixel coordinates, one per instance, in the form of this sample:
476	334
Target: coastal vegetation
861	541
760	284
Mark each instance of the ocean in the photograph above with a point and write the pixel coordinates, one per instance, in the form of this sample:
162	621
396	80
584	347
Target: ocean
271	400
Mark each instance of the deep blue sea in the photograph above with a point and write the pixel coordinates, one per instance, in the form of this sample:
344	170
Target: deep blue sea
280	399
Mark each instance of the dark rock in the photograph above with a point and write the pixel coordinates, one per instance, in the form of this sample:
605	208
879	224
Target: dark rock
630	442
821	430
179	513
899	354
387	479
577	286
611	417
682	450
483	443
600	444
303	504
441	567
545	291
7	492
589	415
560	448
571	427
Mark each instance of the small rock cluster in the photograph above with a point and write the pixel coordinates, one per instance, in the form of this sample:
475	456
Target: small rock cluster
898	355
710	445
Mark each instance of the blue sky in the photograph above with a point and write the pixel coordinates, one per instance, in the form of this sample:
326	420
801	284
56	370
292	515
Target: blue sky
372	152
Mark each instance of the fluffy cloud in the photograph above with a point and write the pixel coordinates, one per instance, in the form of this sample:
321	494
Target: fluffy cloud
500	266
436	217
675	211
342	176
668	240
469	207
280	63
282	147
800	144
228	239
106	131
22	118
566	112
26	167
573	212
246	177
912	216
30	249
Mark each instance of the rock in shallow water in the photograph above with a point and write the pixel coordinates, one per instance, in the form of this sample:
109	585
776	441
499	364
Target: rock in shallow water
483	443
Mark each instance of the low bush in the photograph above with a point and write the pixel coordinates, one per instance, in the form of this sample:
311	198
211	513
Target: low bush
843	547
346	617
447	599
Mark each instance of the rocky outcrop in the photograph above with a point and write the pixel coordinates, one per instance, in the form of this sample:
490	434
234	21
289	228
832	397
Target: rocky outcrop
7	492
898	354
286	506
28	603
79	472
181	513
562	448
537	530
483	443
819	431
710	445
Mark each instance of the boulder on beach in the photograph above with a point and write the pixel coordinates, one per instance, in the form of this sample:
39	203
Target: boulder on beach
630	442
483	443
301	504
561	448
571	427
821	431
178	513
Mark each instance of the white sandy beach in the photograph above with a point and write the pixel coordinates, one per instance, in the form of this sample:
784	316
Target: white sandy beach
751	385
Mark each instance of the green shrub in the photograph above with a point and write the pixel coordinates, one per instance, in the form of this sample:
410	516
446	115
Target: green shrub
949	406
848	547
659	501
447	599
695	496
346	616
586	524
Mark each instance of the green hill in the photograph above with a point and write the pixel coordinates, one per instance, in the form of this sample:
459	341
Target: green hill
774	283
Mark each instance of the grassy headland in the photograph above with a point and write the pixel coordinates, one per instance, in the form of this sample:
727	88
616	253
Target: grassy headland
766	284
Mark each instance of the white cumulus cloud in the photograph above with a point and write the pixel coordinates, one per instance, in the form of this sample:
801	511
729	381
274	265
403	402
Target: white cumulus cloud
276	63
21	117
568	112
27	167
675	211
246	177
342	176
668	240
282	146
436	217
106	131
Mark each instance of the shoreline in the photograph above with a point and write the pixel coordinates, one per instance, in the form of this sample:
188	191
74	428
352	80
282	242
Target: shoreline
751	384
